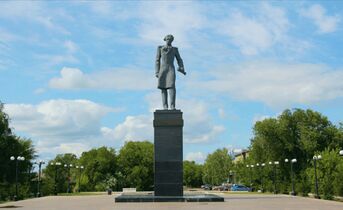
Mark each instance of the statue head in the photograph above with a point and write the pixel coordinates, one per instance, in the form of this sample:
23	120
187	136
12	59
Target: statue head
169	39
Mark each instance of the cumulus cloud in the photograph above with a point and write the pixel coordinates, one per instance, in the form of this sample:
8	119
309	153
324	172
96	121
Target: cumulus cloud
325	23
257	33
277	84
134	128
74	148
161	18
198	128
59	124
118	79
198	157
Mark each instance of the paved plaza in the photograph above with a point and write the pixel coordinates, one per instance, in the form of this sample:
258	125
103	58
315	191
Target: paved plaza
232	202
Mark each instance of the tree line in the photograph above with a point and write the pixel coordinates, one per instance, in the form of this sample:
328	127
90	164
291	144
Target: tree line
297	133
301	135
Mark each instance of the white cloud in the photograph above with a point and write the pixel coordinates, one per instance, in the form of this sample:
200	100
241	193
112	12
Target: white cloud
70	46
74	148
59	120
277	84
198	157
118	79
33	11
324	22
257	33
62	126
161	18
134	128
198	123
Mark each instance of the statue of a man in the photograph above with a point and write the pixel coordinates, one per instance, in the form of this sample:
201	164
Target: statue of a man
165	70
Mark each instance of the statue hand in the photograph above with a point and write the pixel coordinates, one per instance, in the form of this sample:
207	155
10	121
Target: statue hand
182	70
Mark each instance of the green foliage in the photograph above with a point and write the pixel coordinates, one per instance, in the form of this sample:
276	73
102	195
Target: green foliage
60	173
135	161
298	134
217	167
329	171
12	145
192	174
99	163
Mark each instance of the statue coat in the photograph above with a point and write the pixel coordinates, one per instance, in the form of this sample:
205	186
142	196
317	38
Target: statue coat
165	69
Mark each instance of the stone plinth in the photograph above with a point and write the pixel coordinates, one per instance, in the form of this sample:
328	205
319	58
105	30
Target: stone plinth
185	198
168	165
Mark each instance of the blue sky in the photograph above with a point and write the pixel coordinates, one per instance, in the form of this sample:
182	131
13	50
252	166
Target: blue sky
80	74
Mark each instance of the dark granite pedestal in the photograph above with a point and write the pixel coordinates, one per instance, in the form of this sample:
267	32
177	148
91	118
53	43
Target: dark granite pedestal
168	165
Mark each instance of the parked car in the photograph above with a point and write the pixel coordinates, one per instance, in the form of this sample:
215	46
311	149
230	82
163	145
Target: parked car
206	187
216	187
237	187
224	188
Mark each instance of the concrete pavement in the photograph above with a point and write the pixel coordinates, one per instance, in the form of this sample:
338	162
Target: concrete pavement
232	202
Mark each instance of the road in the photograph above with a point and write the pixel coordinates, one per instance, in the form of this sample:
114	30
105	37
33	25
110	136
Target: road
232	202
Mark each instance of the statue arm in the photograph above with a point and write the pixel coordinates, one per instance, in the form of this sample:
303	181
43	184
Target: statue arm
158	61
179	62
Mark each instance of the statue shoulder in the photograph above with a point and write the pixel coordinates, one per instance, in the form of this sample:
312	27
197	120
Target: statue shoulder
175	48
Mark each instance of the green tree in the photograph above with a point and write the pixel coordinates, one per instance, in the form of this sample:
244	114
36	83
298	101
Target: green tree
12	145
99	163
61	173
135	161
217	167
192	174
294	134
329	171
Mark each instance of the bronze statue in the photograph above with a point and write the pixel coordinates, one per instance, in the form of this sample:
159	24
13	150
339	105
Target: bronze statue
165	70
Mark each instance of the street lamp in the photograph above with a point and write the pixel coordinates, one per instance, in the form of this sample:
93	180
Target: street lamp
249	166
275	163
56	164
68	166
80	169
39	163
292	174
19	158
262	166
315	159
341	153
258	166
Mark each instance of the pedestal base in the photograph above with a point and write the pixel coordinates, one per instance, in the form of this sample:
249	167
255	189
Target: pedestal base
185	198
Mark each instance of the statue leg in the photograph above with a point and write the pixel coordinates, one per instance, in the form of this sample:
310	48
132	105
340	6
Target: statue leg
164	98
172	94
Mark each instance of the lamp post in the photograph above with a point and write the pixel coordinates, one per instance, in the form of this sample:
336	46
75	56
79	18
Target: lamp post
262	186
17	159
39	163
315	159
275	164
293	188
56	164
248	166
258	166
80	169
292	174
68	166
